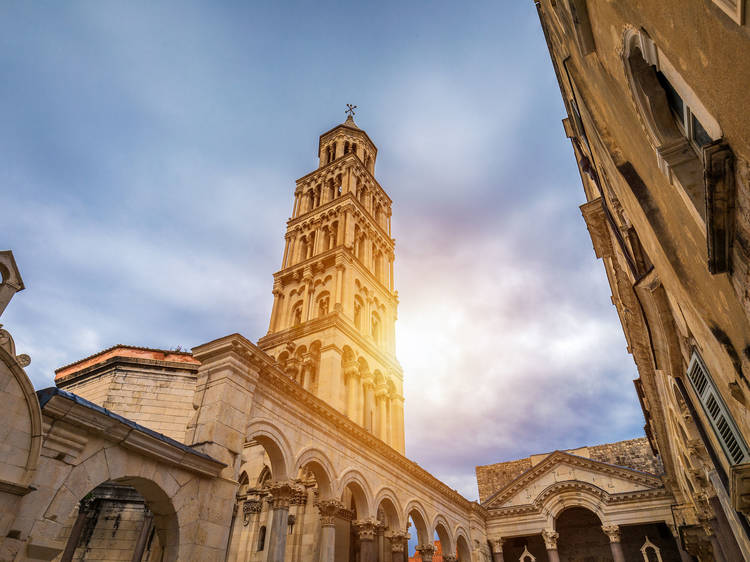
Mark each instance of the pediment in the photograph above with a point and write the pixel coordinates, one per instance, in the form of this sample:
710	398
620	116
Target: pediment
561	467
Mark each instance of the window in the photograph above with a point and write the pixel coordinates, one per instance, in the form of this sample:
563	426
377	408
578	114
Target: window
262	538
732	8
686	120
716	411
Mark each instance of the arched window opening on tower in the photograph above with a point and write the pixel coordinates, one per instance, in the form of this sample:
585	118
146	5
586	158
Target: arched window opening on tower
354	148
375	327
302	253
317	197
297	314
323	304
334	230
358	312
346	147
333	151
328	155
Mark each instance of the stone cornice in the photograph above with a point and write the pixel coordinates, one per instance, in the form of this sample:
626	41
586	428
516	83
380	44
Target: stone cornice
273	378
560	457
118	360
537	506
62	406
350	128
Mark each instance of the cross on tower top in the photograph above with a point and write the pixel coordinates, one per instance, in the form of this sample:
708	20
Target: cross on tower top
350	109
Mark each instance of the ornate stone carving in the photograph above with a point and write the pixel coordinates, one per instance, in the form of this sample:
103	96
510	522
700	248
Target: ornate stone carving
365	528
281	493
449	558
550	537
426	551
329	509
7	343
496	545
248	508
397	540
612	531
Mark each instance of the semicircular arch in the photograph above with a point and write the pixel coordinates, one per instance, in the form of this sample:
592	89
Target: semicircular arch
361	491
322	468
386	497
272	439
442	528
558	497
415	508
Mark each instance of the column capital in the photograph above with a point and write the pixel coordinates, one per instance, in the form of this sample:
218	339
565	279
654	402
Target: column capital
550	537
496	544
365	528
281	492
329	509
397	539
426	550
612	531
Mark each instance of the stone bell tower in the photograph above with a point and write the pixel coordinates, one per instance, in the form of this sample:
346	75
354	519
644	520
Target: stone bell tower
334	311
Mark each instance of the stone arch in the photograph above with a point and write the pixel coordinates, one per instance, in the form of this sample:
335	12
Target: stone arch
463	550
317	462
388	500
441	527
353	479
557	497
19	463
275	444
152	481
416	511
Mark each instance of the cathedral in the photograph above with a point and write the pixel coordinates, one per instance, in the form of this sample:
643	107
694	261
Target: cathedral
291	448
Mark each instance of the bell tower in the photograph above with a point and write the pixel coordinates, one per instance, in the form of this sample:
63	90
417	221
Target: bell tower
333	321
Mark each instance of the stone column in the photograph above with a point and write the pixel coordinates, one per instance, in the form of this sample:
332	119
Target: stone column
339	287
368	383
328	511
550	537
365	529
381	396
397	540
282	493
306	293
380	541
497	550
277	296
426	551
613	533
351	375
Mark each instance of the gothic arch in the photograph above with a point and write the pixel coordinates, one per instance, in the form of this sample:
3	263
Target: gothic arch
391	506
272	439
318	463
441	527
360	490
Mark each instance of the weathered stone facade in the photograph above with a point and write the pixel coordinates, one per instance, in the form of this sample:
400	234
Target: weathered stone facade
656	114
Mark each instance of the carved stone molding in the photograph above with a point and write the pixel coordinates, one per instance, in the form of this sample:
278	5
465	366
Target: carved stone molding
248	508
426	551
550	537
329	510
612	532
282	494
365	528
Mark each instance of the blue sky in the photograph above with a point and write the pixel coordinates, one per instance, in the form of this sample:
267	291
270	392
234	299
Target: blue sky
148	152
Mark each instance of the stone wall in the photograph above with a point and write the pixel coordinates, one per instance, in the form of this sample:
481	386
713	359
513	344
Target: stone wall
153	390
493	477
633	453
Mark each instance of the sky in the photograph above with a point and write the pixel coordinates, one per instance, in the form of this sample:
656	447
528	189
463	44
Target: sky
148	152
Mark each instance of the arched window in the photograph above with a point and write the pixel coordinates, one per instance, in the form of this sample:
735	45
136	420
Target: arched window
334	234
262	538
302	254
358	312
375	327
354	148
346	147
297	314
323	303
328	155
650	552
678	126
333	151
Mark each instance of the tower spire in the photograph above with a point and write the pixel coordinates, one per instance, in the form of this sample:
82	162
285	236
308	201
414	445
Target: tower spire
332	325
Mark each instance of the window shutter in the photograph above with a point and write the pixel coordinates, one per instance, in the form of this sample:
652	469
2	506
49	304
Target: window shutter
716	410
